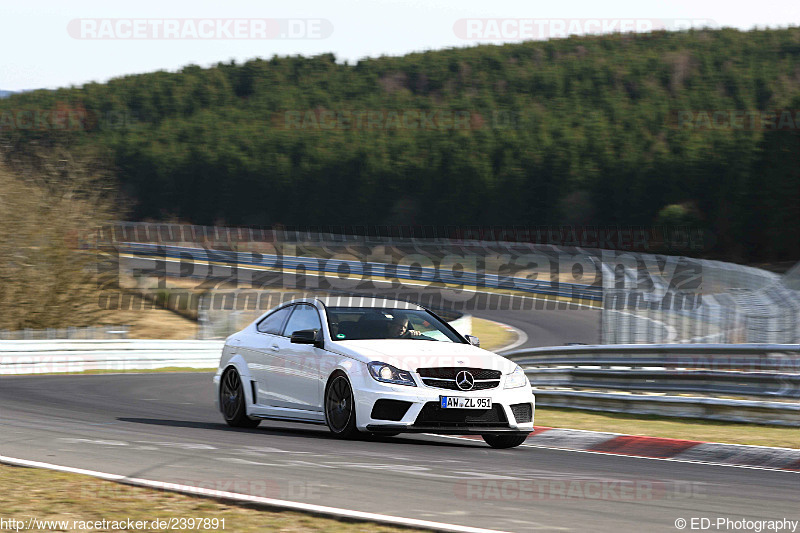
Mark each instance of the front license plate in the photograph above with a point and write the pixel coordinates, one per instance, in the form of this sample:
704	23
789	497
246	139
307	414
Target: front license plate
460	402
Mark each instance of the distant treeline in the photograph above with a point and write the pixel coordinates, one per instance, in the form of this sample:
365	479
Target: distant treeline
690	128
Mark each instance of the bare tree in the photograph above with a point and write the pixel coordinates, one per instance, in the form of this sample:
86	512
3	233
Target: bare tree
49	204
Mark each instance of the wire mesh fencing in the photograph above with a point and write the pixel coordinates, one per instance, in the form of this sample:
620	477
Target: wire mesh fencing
732	304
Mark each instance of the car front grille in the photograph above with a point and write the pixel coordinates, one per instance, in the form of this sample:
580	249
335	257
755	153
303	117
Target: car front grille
449	372
432	415
450	384
445	377
523	412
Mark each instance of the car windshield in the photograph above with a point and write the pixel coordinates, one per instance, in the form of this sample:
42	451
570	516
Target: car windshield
360	323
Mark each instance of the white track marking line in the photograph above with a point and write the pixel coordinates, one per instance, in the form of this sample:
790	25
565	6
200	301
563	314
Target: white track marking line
270	502
522	337
672	459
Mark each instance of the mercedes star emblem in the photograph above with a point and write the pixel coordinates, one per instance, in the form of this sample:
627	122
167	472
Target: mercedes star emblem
464	380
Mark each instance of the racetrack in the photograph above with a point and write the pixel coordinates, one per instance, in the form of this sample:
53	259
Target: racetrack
164	427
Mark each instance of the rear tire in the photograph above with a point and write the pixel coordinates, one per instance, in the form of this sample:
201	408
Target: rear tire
231	401
340	407
505	441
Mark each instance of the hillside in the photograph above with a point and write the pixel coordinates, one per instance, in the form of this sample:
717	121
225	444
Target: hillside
586	130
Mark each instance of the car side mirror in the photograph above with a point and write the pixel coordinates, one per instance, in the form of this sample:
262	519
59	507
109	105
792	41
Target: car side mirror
307	336
473	340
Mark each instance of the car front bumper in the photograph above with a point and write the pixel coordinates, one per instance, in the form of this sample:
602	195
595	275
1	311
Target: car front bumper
370	391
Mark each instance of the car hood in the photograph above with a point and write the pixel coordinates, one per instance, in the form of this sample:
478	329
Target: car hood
407	354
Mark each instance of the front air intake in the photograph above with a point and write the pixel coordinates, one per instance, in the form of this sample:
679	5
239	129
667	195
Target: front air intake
523	412
390	410
432	415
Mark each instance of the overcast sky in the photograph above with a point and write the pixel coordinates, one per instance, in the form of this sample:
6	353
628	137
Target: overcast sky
55	43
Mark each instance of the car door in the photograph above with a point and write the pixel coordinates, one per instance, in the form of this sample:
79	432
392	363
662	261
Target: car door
262	351
296	366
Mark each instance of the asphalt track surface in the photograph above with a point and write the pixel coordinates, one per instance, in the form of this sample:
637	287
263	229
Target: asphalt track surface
163	427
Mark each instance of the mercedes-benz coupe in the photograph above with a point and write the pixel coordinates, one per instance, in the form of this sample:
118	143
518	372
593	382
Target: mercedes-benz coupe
371	365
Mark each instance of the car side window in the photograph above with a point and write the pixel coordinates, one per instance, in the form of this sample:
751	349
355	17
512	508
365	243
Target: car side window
303	317
273	324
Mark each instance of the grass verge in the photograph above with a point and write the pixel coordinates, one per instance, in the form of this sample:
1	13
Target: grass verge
674	428
48	495
147	321
492	334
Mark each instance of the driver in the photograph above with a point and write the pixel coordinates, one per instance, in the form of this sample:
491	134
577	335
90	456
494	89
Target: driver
399	329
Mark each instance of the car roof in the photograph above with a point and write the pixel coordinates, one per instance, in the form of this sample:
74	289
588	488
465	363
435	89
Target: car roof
360	301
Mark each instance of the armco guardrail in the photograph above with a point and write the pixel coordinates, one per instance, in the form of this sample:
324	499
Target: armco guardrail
713	381
70	356
727	410
709	356
754	364
695	381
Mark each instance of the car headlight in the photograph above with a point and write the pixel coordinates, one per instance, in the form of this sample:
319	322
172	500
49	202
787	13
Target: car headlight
517	379
389	374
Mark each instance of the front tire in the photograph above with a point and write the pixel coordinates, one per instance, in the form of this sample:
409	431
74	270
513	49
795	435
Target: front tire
231	401
505	441
340	408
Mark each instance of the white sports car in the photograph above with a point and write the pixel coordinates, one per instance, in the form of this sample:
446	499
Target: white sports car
371	365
